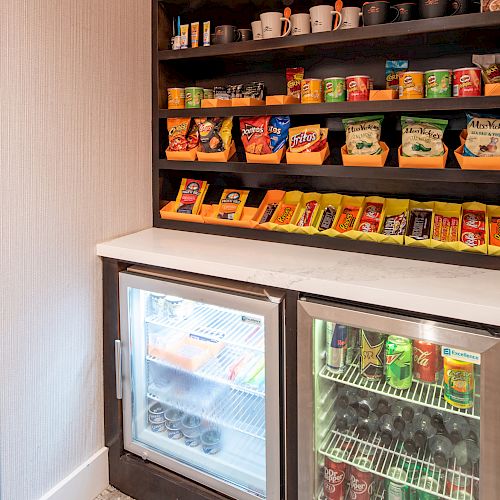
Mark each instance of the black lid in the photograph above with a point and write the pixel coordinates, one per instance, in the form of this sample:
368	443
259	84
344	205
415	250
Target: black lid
440	459
410	446
399	424
408	413
420	439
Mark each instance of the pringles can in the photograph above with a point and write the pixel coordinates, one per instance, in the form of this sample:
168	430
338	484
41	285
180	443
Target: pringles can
358	87
334	89
371	360
336	346
438	83
458	383
466	82
398	362
208	93
175	98
427	361
411	85
311	91
193	97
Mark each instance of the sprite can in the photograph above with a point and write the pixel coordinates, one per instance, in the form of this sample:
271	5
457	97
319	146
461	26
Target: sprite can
334	89
395	489
398	362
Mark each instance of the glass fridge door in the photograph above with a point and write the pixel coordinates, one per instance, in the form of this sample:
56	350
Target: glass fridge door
397	407
201	384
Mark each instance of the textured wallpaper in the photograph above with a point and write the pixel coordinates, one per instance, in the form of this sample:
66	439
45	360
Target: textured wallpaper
75	169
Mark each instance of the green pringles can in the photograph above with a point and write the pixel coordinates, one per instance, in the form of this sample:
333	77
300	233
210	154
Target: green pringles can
399	362
334	89
438	83
193	97
208	93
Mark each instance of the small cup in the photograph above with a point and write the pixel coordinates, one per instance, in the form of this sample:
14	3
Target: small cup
301	24
378	13
322	18
271	24
407	11
245	34
436	8
226	34
210	442
173	418
350	17
257	30
191	428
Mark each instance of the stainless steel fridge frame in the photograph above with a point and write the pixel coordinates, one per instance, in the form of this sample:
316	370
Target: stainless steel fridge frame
459	337
250	299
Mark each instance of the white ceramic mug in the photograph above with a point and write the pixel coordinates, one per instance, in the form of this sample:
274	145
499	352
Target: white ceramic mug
257	30
322	18
301	24
271	24
350	17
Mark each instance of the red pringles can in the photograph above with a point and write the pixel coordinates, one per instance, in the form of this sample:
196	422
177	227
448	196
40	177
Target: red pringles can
466	82
358	87
361	480
334	479
427	361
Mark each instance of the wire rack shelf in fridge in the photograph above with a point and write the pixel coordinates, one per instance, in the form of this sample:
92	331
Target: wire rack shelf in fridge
430	395
336	444
218	369
234	409
232	327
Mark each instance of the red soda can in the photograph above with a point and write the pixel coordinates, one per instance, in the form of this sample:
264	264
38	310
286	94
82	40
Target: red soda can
334	479
361	480
427	361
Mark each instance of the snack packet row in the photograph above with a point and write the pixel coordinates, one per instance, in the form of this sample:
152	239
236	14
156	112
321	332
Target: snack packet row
264	134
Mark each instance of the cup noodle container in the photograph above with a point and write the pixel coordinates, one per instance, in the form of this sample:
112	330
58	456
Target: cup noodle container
466	82
358	87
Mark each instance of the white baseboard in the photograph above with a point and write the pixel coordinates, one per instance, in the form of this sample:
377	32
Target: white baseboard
85	482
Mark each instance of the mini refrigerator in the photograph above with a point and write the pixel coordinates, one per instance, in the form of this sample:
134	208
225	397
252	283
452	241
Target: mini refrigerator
391	406
199	376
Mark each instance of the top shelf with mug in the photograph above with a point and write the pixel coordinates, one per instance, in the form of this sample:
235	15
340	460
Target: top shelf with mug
440	35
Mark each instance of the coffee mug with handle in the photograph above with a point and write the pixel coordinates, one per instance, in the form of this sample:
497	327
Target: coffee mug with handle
407	11
226	34
350	17
436	8
322	18
257	30
301	24
378	13
271	24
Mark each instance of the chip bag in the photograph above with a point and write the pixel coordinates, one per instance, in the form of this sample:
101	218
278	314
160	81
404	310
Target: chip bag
215	134
483	135
231	204
278	132
362	135
255	134
177	133
422	136
307	139
190	196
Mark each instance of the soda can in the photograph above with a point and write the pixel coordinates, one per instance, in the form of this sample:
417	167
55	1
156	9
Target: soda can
395	489
427	483
399	362
427	361
334	477
336	346
458	383
208	93
457	485
361	480
371	360
334	89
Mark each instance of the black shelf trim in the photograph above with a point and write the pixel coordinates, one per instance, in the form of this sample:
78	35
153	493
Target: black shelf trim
337	108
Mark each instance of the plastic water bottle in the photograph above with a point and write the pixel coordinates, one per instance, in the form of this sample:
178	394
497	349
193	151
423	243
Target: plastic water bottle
441	449
457	427
345	419
367	425
466	452
388	431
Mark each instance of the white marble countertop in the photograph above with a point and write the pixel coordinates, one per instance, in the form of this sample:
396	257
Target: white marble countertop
463	293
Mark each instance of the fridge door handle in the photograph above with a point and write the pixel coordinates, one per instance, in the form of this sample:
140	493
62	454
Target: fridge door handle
118	369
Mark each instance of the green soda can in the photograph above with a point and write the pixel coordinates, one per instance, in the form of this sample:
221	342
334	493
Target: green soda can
438	83
208	93
193	96
394	488
398	362
427	483
334	89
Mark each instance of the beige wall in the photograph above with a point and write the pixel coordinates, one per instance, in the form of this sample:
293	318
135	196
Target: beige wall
75	169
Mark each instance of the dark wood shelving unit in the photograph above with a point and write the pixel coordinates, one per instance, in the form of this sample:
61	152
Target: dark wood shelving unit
427	44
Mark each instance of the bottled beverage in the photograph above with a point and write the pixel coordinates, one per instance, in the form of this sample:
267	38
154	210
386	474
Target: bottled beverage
388	430
458	383
399	361
406	410
336	346
437	419
423	429
427	482
371	360
394	488
352	345
345	418
384	404
427	361
441	449
346	396
366	404
334	478
367	425
466	452
457	427
474	430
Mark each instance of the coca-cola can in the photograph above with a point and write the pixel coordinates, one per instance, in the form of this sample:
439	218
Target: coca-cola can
427	361
334	478
361	480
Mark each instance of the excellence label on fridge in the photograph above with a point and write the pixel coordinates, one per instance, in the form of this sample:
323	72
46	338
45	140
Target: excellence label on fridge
396	407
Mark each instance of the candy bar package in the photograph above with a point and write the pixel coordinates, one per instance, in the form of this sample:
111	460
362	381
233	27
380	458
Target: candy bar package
445	228
308	213
395	225
215	134
231	204
422	136
419	226
278	132
327	218
490	66
363	135
392	71
473	227
347	219
294	77
495	231
483	135
370	217
284	214
190	196
307	139
255	134
268	213
182	137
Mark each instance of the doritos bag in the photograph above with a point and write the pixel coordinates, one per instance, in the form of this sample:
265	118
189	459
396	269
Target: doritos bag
254	134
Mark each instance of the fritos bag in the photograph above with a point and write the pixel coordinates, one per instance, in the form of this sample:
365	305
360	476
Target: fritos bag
307	139
255	135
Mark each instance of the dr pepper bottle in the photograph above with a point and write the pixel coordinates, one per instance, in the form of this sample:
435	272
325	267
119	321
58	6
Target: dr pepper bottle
427	361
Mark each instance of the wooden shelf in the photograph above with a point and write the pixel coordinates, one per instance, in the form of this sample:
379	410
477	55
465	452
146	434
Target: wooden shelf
337	108
433	33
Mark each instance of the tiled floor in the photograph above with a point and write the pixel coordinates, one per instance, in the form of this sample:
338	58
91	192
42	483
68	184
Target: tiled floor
111	493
